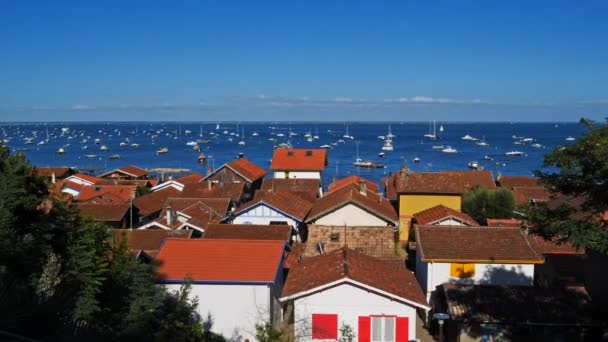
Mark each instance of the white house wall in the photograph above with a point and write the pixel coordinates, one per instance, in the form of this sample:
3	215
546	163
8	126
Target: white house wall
450	222
350	215
263	215
348	302
488	274
232	306
297	175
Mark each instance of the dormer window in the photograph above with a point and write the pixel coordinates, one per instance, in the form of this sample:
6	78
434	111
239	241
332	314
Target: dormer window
308	153
290	153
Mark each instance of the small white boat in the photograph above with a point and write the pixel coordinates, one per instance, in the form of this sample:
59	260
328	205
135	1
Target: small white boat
438	147
97	141
388	145
60	151
487	158
366	163
570	139
191	143
473	165
254	134
162	150
135	145
382	155
381	137
537	145
514	154
90	155
482	143
526	140
416	160
468	137
325	147
123	144
115	156
103	148
449	149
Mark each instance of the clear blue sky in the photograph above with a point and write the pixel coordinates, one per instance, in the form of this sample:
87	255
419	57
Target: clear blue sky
253	60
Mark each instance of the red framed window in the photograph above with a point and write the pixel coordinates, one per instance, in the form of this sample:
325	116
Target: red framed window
383	329
324	326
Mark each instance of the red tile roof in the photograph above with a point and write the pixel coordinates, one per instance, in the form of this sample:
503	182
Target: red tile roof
370	202
86	177
475	244
148	241
294	159
318	271
525	195
153	202
305	188
190	179
60	172
248	232
219	260
104	212
554	246
356	180
246	169
129	170
122	192
503	222
511	182
443	182
439	213
285	202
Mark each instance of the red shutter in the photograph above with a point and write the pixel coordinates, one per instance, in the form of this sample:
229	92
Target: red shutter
403	329
364	330
324	327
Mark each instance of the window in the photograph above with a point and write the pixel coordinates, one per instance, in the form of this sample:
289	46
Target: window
459	270
383	329
308	153
334	237
324	326
290	153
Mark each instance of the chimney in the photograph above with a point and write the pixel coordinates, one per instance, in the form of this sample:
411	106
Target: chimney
209	184
53	180
363	188
169	214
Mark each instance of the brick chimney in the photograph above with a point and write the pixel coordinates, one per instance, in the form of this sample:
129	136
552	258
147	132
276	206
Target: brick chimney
169	214
53	178
363	188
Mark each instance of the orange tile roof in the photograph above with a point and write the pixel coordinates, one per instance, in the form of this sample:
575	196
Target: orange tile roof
209	189
288	203
318	271
371	202
148	241
440	212
475	244
129	170
104	212
153	202
123	192
60	172
294	159
305	188
442	182
190	179
219	260
248	232
246	169
511	182
371	186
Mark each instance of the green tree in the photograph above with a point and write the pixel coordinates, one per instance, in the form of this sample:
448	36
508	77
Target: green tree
347	333
580	172
62	275
481	204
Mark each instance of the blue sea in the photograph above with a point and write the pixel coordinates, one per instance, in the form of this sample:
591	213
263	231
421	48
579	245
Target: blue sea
408	143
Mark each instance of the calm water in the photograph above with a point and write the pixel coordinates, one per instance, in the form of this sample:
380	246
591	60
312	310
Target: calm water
408	144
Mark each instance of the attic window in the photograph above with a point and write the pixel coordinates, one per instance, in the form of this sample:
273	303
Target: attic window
308	153
334	237
290	153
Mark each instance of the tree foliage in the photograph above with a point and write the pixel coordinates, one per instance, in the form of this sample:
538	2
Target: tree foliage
62	275
481	204
578	174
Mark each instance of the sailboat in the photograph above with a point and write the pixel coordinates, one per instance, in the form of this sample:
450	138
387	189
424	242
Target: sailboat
390	134
365	163
440	128
347	136
242	142
429	135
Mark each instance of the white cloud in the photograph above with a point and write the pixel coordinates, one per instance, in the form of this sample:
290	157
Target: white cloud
343	99
432	100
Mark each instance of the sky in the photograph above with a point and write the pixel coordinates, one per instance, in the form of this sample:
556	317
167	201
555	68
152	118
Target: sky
303	61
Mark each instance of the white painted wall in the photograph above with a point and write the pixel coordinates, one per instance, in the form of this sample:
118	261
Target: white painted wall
298	174
263	214
71	191
350	215
75	179
348	302
430	275
232	306
450	222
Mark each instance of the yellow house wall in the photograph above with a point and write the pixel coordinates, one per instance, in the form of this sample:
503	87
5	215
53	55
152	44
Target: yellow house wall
411	204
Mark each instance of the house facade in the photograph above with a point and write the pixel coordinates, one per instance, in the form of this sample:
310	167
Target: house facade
473	255
323	288
237	282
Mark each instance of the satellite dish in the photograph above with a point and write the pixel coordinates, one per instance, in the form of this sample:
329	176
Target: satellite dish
441	316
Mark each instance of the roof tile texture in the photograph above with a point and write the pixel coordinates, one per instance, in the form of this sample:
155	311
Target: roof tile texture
248	232
475	243
247	169
441	212
220	260
293	159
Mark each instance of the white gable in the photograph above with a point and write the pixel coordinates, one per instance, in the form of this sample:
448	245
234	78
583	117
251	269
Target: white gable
263	214
350	215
